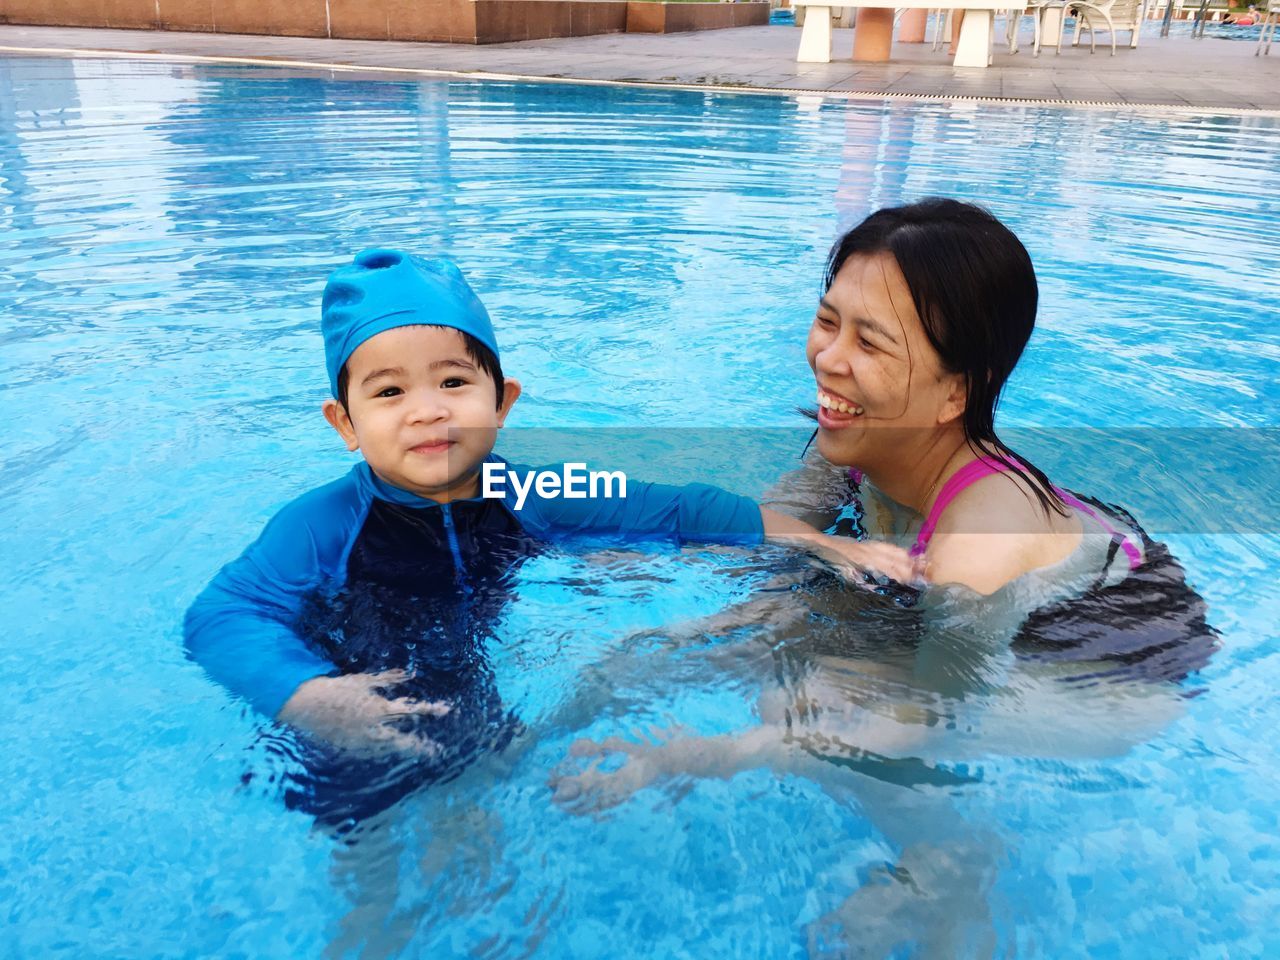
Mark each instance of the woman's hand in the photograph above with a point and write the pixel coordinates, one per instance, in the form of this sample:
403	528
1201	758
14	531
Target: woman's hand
593	790
678	756
351	713
876	556
852	557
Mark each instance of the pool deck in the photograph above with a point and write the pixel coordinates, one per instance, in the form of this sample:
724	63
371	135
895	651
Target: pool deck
1210	75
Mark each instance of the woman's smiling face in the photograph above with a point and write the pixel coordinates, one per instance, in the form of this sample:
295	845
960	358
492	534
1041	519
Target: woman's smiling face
881	385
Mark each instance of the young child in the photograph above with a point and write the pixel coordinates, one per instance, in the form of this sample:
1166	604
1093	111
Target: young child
359	615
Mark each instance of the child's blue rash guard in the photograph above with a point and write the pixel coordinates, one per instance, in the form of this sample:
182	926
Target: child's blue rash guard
246	628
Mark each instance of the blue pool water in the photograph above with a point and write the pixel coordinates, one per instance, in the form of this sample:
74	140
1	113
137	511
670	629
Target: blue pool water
652	258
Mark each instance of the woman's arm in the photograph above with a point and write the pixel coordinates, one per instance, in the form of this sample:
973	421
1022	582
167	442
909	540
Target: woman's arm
814	492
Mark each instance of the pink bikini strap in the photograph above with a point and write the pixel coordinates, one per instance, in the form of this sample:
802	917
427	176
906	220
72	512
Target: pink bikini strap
1126	543
956	484
983	467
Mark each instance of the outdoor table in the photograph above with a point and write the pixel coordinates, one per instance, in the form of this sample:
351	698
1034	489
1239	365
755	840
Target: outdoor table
972	50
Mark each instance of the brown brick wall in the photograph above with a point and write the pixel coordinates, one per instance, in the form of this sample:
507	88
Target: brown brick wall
447	21
194	15
503	21
283	18
647	16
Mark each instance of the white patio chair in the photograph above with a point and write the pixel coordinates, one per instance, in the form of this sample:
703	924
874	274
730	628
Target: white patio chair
1110	15
942	27
1012	21
1268	31
1038	9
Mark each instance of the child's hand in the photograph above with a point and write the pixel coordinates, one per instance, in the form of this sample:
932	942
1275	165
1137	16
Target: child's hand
351	713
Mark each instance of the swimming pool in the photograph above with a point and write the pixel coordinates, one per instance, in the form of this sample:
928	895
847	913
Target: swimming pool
652	257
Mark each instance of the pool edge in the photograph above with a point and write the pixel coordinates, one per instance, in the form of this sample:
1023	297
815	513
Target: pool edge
848	95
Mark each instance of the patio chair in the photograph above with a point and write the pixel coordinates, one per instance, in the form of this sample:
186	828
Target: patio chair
1110	15
1268	31
1156	9
942	27
1012	21
1038	8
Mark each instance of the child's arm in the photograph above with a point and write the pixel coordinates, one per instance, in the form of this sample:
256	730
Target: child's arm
813	492
243	630
704	513
695	512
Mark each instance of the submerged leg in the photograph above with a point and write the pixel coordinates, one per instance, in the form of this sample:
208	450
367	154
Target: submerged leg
935	899
427	857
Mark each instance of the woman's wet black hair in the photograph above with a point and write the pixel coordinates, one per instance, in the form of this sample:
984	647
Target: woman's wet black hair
485	359
974	289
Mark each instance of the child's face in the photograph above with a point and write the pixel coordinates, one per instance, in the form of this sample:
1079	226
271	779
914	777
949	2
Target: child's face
421	411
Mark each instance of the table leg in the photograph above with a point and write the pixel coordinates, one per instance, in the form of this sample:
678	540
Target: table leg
911	27
873	35
974	48
815	38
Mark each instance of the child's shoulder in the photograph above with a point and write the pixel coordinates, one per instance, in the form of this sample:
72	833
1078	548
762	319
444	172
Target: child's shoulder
321	502
317	525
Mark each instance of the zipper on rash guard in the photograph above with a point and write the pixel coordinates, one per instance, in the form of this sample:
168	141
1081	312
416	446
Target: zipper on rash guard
452	533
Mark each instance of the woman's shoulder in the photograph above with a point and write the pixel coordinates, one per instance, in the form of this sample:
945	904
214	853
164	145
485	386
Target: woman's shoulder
997	530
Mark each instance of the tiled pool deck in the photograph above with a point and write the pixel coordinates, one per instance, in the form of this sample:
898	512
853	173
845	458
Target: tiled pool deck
1208	74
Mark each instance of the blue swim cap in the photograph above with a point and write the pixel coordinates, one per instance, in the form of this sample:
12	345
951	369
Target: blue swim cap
384	289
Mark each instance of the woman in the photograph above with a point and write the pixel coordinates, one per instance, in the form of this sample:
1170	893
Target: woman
927	309
925	312
1034	594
